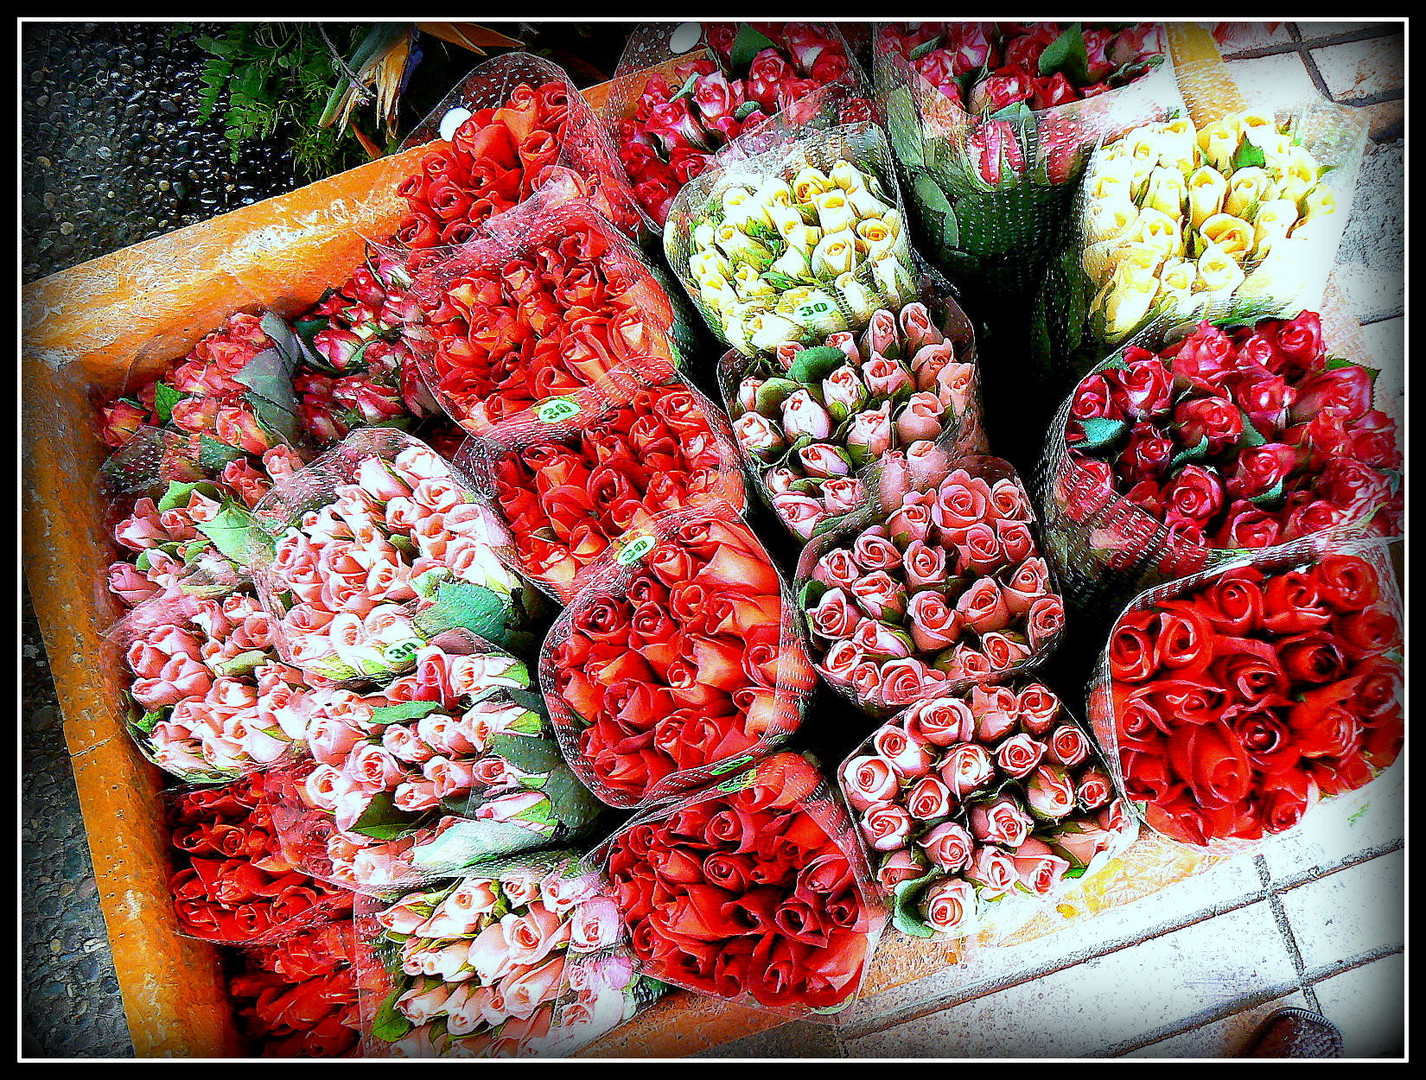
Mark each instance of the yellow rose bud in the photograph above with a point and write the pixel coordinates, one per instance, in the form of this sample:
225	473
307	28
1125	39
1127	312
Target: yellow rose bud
1158	230
738	246
1233	235
1246	188
1253	126
858	300
834	213
880	235
1206	191
708	263
892	280
1178	275
767	330
1110	189
835	253
739	208
774	191
794	263
866	203
1166	192
810	182
846	176
702	236
1319	215
803	238
1106	221
748	283
1274	219
1175	142
1218	142
1218	272
1297	173
784	218
1123	304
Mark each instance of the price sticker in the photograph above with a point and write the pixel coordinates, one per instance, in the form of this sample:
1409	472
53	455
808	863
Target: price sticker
730	765
402	650
555	410
811	309
635	549
685	36
452	121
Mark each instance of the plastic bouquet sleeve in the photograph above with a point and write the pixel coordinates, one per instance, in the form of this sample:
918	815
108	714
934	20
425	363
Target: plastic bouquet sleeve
678	661
1229	703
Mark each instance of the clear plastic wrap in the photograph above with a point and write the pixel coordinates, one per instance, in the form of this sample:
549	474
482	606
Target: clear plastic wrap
452	763
979	808
550	305
230	883
678	660
1232	438
569	481
991	178
1175	223
797	233
811	421
1229	702
522	112
935	584
767	903
374	550
519	958
683	91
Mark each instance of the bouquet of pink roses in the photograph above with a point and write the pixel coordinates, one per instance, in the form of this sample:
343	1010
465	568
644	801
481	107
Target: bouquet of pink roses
811	420
936	583
967	800
376	548
519	958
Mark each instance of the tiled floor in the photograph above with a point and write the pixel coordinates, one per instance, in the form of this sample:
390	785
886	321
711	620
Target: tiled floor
1315	920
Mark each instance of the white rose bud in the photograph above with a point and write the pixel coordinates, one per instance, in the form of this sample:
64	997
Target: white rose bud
1272	222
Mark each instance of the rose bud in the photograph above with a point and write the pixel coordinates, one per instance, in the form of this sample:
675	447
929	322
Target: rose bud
905	864
843	391
823	460
1093	789
1345	391
948	845
1039	869
868	436
949	907
759	436
877	641
966	768
923	565
868	780
886	826
928	799
996	711
1019	754
1049	794
1000	820
910	757
1067	745
1195	493
939	721
919	418
1037	707
802	415
992	869
880	595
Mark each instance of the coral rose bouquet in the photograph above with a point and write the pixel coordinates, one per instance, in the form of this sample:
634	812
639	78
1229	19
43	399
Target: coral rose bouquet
230	882
752	890
571	481
936	583
1232	701
811	420
802	239
978	807
208	696
299	997
1173	223
375	549
515	125
992	122
677	661
1237	437
550	304
519	958
677	99
452	762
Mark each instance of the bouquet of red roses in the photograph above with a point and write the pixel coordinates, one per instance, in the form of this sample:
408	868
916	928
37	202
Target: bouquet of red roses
993	122
450	763
1237	437
298	997
569	485
1233	700
677	661
932	585
970	800
811	420
753	891
231	883
517	959
547	305
673	107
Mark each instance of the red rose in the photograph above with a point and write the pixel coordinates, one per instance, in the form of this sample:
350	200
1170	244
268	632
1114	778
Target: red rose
1260	469
1323	724
1203	359
1233	601
1148	387
1344	391
1313	657
1267	740
1196	494
1213	763
1132	653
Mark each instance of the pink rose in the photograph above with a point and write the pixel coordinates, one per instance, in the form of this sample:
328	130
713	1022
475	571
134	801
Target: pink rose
1018	755
949	845
1038	868
949	906
939	721
868	780
992	869
999	821
966	768
928	799
886	826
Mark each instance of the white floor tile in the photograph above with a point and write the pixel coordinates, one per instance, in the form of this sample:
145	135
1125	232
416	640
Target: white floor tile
1350	913
1360	69
1226	1038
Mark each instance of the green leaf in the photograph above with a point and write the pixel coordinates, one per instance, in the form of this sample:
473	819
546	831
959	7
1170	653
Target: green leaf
406	711
572	804
1100	432
231	531
745	110
178	492
926	47
465	604
686	90
146	722
388	1024
815	364
242	664
381	820
747	45
1270	497
214	455
930	194
531	755
772	394
1248	156
1067	54
1193	453
1251	436
811	594
1336	362
903	129
165	398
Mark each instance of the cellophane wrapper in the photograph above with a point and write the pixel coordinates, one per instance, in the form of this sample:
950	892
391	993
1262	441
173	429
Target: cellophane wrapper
797	289
586	160
1106	713
652	339
471	586
940	781
799	798
1123	271
568	423
209	698
991	192
230	883
520	957
776	697
451	764
650	51
896	480
962	429
1106	549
